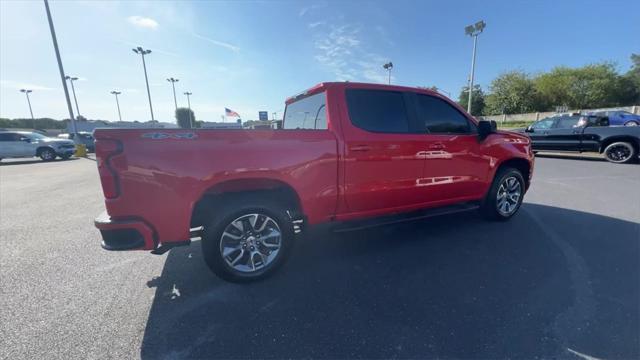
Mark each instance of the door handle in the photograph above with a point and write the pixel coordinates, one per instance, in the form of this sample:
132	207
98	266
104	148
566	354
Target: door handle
360	148
436	146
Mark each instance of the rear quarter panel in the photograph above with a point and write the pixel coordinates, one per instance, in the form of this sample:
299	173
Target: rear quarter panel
163	173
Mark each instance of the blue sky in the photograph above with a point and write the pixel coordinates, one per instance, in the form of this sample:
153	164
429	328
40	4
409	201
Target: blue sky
251	55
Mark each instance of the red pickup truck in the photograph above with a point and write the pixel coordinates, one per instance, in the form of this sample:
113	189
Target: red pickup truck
349	154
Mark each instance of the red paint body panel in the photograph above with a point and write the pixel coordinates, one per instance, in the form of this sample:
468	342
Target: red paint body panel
160	174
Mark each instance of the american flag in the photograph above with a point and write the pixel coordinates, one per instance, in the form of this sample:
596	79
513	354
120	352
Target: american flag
229	112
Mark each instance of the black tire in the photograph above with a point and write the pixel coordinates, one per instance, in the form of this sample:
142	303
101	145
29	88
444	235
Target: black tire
222	217
47	154
631	123
489	208
620	152
65	156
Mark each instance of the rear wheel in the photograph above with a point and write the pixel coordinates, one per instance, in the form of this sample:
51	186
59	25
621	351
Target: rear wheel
249	243
620	152
65	156
505	195
47	154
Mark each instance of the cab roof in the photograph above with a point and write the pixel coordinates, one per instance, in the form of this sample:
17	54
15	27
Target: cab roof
359	85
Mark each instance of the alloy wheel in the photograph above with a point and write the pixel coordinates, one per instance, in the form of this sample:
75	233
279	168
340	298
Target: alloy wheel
508	197
251	242
619	153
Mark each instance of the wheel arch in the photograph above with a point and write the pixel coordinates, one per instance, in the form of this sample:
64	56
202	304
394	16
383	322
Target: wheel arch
265	188
40	149
519	163
635	142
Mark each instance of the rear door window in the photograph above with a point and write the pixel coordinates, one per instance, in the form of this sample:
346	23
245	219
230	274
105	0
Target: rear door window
307	113
440	117
378	111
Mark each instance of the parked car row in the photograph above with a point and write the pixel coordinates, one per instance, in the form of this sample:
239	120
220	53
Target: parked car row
19	144
85	138
585	133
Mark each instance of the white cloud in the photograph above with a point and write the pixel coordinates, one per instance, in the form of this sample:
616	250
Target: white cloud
223	44
307	9
314	25
10	84
342	52
143	22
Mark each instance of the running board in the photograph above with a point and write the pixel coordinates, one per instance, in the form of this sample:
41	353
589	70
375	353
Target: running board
405	217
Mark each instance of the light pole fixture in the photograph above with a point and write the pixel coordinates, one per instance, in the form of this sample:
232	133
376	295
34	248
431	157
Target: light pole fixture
27	92
142	52
388	66
73	91
60	68
189	104
173	85
116	93
473	31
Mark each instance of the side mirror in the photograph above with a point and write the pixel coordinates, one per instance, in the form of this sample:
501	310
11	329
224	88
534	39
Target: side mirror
529	129
486	128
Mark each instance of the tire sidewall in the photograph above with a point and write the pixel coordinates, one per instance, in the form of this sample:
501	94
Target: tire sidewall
213	232
489	207
630	159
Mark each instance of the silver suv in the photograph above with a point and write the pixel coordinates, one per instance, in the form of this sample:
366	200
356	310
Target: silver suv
18	144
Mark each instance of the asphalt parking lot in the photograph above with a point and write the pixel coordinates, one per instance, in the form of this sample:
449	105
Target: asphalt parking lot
561	280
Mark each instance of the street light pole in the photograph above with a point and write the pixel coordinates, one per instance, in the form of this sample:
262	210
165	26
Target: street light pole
173	85
473	31
189	104
143	52
73	90
116	93
388	66
26	92
64	82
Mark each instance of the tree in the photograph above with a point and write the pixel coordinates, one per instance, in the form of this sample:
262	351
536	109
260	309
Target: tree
631	80
512	93
185	117
478	103
590	86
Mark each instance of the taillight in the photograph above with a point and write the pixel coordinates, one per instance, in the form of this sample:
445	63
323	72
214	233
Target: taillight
105	150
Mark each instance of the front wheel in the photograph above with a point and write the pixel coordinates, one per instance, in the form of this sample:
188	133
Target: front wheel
631	123
249	243
47	154
505	195
620	152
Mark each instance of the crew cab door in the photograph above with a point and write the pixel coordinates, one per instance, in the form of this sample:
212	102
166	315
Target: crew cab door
454	165
383	151
565	134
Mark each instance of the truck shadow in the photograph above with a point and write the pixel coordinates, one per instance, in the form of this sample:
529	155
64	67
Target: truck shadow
453	287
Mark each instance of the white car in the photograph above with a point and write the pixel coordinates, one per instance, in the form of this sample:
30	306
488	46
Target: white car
19	144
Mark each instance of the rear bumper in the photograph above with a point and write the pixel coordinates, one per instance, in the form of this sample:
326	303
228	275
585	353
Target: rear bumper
120	235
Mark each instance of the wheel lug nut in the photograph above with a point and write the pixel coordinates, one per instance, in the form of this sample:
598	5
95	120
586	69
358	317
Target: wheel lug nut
252	248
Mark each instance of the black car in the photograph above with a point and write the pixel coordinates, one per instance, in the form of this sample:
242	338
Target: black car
585	133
